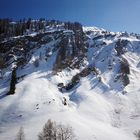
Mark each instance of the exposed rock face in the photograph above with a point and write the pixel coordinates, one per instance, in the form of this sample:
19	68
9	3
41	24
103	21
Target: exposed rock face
72	49
125	71
120	46
76	79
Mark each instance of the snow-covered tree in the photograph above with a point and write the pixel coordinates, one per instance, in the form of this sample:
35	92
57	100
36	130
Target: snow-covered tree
137	134
48	132
64	132
20	134
53	131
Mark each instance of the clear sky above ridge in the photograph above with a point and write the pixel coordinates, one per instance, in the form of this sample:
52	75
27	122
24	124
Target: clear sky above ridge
115	15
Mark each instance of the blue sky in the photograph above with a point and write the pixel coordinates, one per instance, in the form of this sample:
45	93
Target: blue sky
115	15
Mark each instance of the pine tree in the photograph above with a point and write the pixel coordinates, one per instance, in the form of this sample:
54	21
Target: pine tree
13	83
28	24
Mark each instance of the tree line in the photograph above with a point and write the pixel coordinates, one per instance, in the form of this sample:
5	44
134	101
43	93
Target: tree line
10	28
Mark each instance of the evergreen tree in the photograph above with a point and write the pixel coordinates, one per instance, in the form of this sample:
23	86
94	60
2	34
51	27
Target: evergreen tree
28	24
13	83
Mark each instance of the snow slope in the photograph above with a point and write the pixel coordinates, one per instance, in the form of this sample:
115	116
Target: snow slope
95	109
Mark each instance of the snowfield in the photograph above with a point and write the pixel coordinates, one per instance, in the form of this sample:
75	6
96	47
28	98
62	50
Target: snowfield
96	110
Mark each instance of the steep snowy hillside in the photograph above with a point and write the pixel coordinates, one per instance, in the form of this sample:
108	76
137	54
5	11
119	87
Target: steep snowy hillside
85	77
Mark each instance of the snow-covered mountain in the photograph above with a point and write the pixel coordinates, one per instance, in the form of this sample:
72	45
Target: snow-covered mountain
86	77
